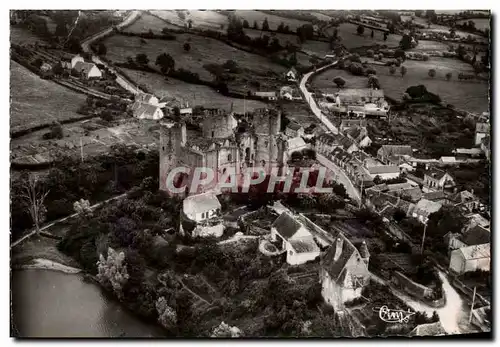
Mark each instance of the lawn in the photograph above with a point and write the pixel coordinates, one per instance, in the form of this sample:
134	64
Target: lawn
203	51
148	22
200	19
324	80
481	23
274	21
319	48
283	38
351	39
468	95
22	36
35	101
196	95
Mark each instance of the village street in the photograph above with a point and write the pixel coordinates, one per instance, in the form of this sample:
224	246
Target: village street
122	81
453	315
340	177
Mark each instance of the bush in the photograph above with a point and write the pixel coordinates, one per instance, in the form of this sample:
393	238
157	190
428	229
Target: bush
448	76
432	73
356	69
370	53
339	81
371	71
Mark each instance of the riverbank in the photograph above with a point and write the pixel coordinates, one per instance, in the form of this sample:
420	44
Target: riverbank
45	264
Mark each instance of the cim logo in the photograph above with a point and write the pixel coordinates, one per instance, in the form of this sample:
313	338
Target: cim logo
393	316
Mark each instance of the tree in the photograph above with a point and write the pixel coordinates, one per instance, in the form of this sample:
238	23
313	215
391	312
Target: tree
339	81
224	330
142	59
33	195
392	69
403	71
113	271
190	23
167	316
360	30
431	15
265	25
82	207
399	215
101	49
399	53
405	42
373	82
386	34
255	25
246	24
165	62
281	27
38	62
448	76
187	47
432	73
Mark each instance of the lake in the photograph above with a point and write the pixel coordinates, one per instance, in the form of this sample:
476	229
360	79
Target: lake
49	303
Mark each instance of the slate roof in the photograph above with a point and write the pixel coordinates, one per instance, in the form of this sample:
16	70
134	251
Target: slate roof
412	194
382	169
439	195
476	236
336	268
430	329
482	127
448	159
476	252
200	203
464	196
428	206
84	67
397	150
294	126
144	110
286	225
304	245
358	93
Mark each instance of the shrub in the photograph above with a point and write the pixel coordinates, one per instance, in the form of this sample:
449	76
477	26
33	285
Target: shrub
339	81
373	82
371	71
392	69
448	76
356	69
370	53
432	73
360	30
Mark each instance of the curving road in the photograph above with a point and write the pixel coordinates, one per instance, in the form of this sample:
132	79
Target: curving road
121	80
340	177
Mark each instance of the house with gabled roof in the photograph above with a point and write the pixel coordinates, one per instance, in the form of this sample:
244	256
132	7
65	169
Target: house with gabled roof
290	235
476	235
202	214
436	179
68	61
424	208
428	329
394	154
347	124
385	172
292	74
87	70
147	98
343	272
142	110
360	136
466	200
471	258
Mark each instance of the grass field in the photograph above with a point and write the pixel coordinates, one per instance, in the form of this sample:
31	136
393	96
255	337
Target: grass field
351	39
35	101
21	36
200	19
274	21
148	22
468	95
283	38
196	95
324	80
317	47
203	51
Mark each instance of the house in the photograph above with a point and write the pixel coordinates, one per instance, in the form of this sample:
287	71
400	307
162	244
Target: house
147	99
296	144
292	75
405	167
485	146
348	144
343	272
201	215
45	67
294	129
186	111
423	209
87	70
291	236
447	161
386	204
476	219
429	329
466	200
347	124
436	179
290	93
468	152
471	258
68	61
472	237
360	136
482	130
142	110
354	111
267	95
393	154
405	191
326	143
385	172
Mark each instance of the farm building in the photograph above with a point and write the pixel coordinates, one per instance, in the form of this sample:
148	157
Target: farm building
267	95
68	61
142	110
472	237
393	154
344	272
360	136
87	70
202	210
295	238
471	258
435	179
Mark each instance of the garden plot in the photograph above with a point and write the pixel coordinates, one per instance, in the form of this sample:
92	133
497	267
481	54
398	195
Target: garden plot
194	94
273	20
203	51
472	96
350	38
35	101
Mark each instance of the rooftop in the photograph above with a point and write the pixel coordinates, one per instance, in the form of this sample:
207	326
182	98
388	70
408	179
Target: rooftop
200	203
476	251
383	169
286	225
304	245
482	127
476	236
294	126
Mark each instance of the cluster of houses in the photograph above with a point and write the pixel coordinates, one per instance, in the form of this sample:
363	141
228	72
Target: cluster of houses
356	103
87	70
148	106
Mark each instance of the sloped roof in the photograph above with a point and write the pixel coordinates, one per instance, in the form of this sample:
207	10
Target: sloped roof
439	195
428	206
476	251
396	150
304	245
476	236
296	142
353	93
200	203
382	169
270	94
429	329
144	110
464	196
145	97
482	127
478	220
448	159
294	126
84	67
335	268
293	70
286	225
470	151
413	194
399	186
347	123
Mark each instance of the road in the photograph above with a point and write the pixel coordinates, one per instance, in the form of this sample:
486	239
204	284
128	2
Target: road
121	80
312	103
340	176
453	315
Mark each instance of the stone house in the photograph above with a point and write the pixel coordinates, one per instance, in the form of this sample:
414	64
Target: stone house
292	75
436	179
393	154
343	272
423	209
360	136
147	99
385	172
293	237
347	124
466	201
471	258
477	235
271	96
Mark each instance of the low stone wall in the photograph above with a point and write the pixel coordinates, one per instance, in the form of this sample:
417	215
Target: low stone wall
416	289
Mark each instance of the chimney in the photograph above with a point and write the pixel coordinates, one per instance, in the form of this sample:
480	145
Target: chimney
183	136
338	248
